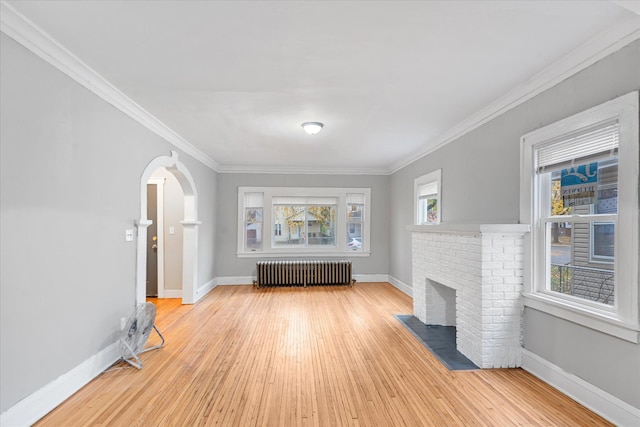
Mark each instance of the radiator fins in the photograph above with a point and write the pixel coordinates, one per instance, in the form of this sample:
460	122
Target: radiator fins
303	273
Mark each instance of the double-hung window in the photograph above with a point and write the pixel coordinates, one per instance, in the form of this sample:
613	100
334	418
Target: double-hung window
292	221
427	189
579	191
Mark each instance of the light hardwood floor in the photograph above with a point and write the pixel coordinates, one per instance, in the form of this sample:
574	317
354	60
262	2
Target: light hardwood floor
321	356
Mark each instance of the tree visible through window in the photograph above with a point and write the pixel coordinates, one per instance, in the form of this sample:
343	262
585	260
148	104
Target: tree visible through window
304	225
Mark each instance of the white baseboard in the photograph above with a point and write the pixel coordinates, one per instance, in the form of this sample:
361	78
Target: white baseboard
235	280
206	288
38	404
172	293
373	278
597	400
401	286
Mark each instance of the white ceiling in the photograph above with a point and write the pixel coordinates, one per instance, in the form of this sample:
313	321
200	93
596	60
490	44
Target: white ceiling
391	80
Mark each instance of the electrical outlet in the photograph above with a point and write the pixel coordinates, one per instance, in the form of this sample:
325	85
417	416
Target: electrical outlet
123	323
128	235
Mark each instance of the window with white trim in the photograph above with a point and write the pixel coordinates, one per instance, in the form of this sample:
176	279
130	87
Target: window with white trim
579	191
292	221
426	191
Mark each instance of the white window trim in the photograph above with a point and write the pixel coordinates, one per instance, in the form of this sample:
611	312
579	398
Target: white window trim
340	249
623	319
435	176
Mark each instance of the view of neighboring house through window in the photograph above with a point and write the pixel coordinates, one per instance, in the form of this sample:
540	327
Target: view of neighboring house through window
582	250
584	254
303	221
253	203
355	221
427	198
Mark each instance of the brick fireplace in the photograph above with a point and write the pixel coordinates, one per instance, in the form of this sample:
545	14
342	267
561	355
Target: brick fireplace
470	276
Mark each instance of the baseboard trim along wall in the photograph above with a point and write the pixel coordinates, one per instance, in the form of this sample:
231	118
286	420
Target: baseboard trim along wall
235	280
407	289
205	289
38	404
597	400
373	278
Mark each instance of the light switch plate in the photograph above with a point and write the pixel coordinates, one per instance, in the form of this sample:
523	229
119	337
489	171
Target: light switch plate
128	235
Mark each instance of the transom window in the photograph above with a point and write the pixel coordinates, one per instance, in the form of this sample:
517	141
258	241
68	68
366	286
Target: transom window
303	221
579	191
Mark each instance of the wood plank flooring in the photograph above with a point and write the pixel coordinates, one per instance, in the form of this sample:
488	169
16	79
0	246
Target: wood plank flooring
320	356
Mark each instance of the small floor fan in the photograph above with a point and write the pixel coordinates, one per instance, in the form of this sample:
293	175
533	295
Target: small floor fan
135	334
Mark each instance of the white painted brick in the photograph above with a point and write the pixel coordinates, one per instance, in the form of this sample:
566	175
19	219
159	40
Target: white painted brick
501	256
486	271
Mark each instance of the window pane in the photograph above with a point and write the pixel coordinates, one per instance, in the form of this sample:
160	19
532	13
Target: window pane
289	222
557	202
355	218
321	227
603	240
571	271
428	209
355	212
354	236
607	187
253	229
593	185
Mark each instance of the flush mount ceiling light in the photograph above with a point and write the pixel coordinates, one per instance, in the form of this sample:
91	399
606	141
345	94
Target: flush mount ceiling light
312	127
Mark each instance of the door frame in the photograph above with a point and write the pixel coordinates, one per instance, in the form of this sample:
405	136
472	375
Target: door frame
190	228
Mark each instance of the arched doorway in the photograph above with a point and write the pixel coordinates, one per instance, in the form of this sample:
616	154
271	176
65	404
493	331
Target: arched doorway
190	228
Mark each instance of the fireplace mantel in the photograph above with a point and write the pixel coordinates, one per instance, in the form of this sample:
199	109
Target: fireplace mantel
464	228
470	276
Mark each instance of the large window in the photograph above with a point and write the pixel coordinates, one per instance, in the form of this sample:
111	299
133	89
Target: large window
426	193
303	221
579	191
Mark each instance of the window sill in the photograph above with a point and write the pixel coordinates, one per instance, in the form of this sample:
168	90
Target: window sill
300	254
600	322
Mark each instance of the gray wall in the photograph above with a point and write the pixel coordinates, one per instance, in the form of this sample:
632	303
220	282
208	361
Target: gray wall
228	264
480	184
70	186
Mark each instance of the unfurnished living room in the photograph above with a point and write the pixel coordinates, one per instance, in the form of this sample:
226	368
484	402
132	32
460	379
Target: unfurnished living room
327	213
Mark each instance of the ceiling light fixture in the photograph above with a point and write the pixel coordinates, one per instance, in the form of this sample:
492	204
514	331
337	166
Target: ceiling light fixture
312	127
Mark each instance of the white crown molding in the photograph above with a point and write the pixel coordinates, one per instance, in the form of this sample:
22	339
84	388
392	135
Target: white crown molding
25	32
37	41
302	170
577	60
